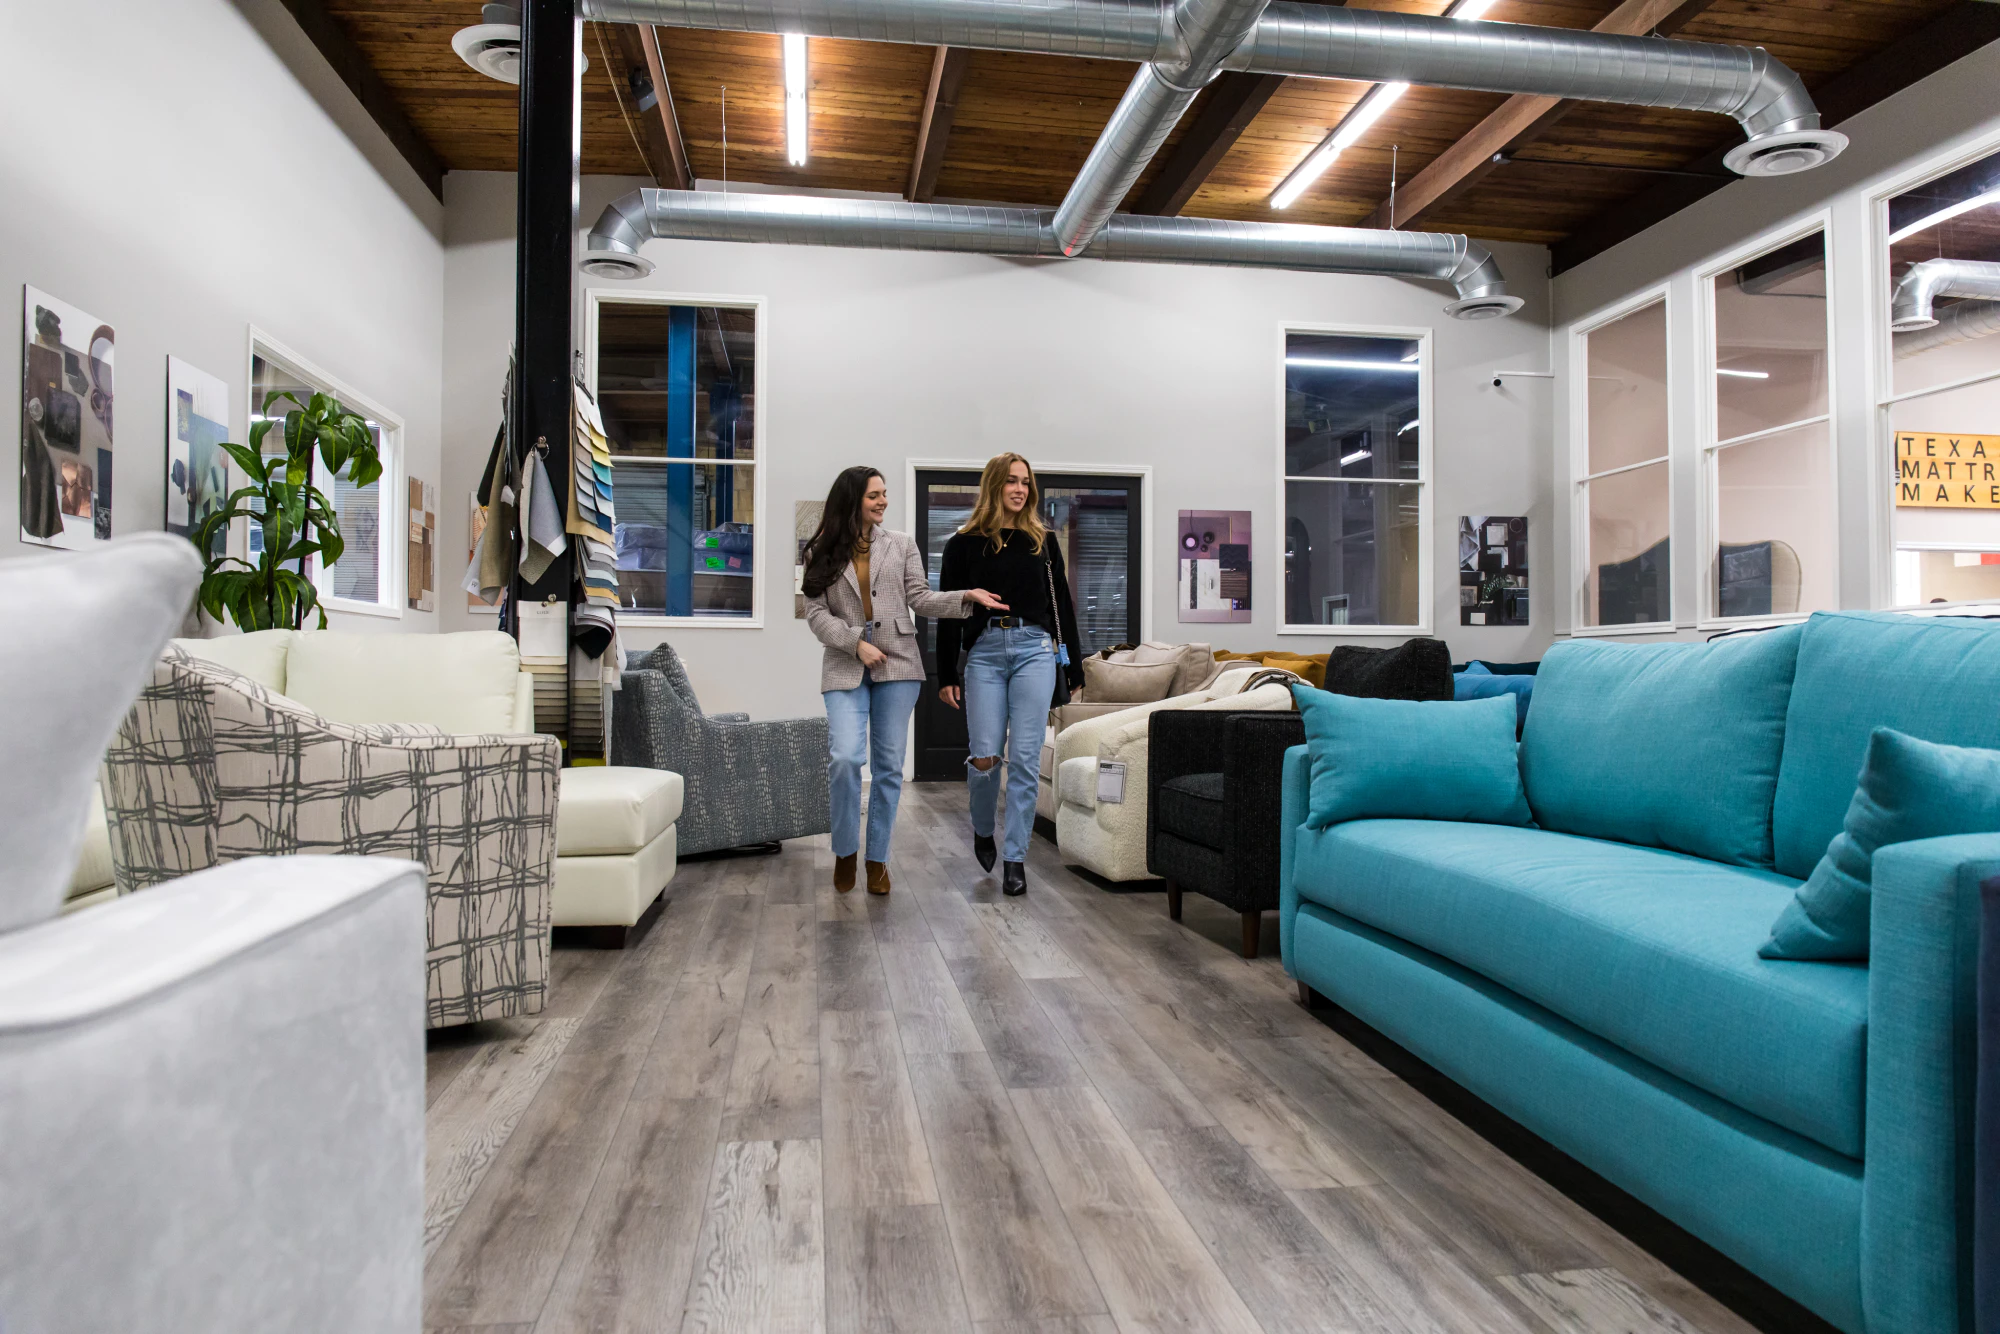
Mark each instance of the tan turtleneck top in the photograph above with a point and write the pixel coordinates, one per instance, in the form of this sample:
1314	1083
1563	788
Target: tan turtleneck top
861	578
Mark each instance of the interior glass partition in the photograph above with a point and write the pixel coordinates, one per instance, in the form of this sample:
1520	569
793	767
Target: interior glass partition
1623	489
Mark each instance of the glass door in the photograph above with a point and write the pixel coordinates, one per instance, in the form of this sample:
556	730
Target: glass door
1094	520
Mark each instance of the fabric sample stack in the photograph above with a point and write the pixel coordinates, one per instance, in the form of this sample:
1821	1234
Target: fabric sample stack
594	666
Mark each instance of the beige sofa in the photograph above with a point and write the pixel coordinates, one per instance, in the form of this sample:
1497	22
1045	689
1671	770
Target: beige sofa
615	840
1109	837
1195	670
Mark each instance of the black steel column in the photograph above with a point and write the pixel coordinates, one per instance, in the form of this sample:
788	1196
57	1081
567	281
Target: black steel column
545	253
544	262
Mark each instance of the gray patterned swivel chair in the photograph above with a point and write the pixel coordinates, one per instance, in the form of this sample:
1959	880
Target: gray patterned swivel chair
747	782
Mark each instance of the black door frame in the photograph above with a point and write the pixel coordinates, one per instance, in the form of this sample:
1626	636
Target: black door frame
939	748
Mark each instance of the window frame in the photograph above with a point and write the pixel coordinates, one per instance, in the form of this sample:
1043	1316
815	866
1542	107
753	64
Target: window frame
1424	337
1708	413
1881	374
1580	475
597	297
391	494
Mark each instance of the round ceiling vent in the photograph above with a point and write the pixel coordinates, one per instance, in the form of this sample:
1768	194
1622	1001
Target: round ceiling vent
1783	154
1483	307
494	49
615	264
1912	323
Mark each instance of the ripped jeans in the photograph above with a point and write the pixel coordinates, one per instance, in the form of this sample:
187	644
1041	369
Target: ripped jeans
1010	676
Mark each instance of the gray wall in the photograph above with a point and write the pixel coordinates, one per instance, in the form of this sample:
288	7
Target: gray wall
185	170
881	357
1951	112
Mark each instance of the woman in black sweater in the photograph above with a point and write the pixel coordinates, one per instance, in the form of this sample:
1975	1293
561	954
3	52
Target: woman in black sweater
1011	669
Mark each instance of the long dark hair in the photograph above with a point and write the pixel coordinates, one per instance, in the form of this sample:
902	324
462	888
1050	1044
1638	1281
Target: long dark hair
833	543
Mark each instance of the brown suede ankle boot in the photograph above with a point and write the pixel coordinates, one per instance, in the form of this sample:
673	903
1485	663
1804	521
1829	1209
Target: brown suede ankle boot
878	878
843	872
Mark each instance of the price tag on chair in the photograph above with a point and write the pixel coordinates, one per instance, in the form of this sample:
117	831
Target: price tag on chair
1111	782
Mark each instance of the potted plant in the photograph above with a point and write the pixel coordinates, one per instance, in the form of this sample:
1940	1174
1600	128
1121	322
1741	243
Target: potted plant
297	519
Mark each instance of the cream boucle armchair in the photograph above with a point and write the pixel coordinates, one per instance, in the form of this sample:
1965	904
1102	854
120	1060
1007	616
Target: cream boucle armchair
1109	837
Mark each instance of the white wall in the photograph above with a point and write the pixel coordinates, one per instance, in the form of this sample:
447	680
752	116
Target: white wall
185	170
1952	112
880	357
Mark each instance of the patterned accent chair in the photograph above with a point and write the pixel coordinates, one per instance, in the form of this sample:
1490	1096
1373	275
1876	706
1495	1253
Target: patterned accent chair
747	782
211	767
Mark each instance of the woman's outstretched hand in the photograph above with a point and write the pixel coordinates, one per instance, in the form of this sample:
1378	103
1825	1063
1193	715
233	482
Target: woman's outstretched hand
950	695
870	655
985	599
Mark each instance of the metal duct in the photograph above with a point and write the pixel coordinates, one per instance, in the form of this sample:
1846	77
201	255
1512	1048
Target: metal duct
1109	29
1153	104
1764	96
612	248
1921	284
1318	41
1960	322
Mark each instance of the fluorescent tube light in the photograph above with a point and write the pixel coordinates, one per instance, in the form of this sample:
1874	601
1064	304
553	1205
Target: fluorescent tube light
1408	426
1373	104
1945	214
795	98
1468	10
1334	363
1356	456
1743	375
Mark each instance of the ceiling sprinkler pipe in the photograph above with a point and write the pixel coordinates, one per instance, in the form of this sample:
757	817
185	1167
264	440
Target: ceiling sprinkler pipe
612	248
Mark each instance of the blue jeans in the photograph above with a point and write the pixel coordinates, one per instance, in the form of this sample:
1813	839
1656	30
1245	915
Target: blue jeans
871	721
1010	676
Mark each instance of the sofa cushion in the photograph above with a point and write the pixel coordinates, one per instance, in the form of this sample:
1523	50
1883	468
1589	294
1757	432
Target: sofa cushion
1127	682
1434	760
1191	807
1934	678
1653	951
1670	745
1195	664
1909	789
463	683
259	655
1311	667
1419	669
610	810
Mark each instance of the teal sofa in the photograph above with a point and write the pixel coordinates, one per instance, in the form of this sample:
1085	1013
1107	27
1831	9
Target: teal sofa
1597	977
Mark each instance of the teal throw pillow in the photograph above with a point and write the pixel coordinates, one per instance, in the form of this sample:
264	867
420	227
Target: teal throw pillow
1401	759
1476	669
1909	789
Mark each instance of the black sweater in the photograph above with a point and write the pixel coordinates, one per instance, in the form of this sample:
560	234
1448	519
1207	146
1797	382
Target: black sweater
1019	577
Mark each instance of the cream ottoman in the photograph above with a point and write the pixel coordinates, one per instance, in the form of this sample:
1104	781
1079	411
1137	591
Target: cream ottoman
614	847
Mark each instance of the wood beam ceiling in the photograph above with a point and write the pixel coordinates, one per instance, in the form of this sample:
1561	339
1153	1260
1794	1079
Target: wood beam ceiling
934	124
1233	101
1518	121
353	69
1956	32
638	54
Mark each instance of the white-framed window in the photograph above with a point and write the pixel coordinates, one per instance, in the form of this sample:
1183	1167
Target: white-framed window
367	577
1354	480
678	379
1938	401
1768	538
1622	499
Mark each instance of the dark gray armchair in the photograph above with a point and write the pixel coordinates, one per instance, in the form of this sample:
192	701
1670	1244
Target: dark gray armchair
747	782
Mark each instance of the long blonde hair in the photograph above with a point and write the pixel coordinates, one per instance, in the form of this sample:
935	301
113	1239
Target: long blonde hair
989	516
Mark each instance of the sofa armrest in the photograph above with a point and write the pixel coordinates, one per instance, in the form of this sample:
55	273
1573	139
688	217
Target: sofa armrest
1916	1233
207	1083
1296	788
728	717
1253	765
524	703
635	737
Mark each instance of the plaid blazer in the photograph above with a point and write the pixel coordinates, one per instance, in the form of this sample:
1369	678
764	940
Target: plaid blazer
900	592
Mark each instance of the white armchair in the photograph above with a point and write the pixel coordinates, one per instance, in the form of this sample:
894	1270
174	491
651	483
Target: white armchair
212	1094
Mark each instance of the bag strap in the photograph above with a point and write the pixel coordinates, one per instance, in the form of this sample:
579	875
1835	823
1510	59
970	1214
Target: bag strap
1055	612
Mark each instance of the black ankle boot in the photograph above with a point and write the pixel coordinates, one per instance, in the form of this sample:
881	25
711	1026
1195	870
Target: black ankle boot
982	848
1013	879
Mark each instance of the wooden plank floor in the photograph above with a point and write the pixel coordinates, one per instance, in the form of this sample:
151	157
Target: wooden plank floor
789	1110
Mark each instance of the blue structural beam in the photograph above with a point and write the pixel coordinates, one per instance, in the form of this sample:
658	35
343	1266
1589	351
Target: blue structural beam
681	518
